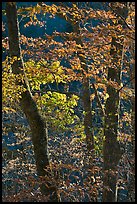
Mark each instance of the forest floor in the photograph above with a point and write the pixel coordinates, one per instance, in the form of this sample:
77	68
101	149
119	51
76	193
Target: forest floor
70	165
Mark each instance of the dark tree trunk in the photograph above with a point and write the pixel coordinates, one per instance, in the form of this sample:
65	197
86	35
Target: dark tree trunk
28	105
111	147
86	100
88	128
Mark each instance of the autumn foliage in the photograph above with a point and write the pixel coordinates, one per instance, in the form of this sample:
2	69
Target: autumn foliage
57	65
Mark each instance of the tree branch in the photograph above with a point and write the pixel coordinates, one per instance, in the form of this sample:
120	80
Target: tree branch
126	83
67	93
98	100
119	15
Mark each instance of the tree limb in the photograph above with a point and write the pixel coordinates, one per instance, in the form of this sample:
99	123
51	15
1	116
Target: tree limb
98	100
67	93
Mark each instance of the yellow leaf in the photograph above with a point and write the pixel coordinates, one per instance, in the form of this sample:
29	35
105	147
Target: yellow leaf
106	96
79	46
54	9
60	70
81	55
74	5
35	18
55	65
83	63
14	58
7	109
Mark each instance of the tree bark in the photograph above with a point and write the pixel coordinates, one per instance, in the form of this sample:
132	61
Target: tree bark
86	100
28	105
111	147
88	128
131	183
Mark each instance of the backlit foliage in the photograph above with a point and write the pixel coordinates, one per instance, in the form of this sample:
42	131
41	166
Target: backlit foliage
58	110
11	92
59	58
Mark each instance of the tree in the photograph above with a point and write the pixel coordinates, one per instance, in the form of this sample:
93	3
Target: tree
28	105
95	59
112	152
131	21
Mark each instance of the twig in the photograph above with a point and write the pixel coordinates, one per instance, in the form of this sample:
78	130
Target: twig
126	83
121	17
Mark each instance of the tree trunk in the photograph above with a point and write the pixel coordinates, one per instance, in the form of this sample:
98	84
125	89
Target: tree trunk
88	117
86	100
28	105
111	147
131	183
88	128
131	187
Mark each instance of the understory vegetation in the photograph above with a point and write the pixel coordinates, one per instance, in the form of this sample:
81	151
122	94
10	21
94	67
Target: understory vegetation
68	102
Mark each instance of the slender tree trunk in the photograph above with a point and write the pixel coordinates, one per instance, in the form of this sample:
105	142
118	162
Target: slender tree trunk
88	117
28	105
88	128
132	78
131	187
111	147
86	100
131	184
